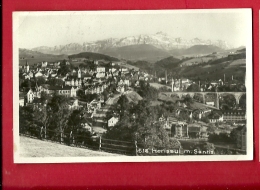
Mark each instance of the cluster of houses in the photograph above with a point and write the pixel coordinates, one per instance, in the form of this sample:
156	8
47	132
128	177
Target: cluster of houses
183	130
93	81
180	129
98	80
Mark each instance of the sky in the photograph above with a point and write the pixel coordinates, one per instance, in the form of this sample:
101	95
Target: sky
60	28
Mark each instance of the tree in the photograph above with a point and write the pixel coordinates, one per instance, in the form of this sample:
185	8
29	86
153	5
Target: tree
89	97
234	134
105	94
123	105
242	102
41	117
188	100
26	84
80	93
64	69
227	102
40	80
193	88
211	128
209	146
146	91
25	118
55	82
59	113
45	97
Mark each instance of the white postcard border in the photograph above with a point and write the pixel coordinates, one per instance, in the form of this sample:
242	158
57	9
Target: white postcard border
249	95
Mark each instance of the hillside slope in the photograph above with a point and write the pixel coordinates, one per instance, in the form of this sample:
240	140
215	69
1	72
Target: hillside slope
93	56
30	147
35	57
169	62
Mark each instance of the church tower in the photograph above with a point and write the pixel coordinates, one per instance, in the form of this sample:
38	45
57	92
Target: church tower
27	68
79	73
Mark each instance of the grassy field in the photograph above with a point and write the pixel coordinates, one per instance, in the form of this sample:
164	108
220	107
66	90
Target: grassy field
163	97
238	62
157	85
197	60
30	147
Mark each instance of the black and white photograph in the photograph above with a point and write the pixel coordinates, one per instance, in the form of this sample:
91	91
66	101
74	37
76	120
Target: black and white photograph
132	86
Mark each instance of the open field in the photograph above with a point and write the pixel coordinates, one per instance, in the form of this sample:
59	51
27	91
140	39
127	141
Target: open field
163	97
30	147
238	62
196	61
158	85
130	66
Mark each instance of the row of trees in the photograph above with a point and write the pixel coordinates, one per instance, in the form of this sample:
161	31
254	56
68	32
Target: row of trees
137	123
146	91
224	137
55	118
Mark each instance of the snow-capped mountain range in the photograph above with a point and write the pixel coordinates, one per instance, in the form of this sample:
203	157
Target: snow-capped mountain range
159	40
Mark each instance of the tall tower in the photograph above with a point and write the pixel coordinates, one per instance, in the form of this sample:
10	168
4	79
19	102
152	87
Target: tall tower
79	73
224	78
27	68
217	100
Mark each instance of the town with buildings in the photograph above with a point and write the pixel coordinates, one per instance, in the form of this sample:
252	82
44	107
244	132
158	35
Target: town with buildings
94	90
134	88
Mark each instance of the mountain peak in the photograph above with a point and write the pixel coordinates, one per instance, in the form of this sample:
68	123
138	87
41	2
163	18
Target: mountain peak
161	33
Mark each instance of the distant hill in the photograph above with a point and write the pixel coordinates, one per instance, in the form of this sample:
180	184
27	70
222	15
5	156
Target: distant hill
93	56
138	52
143	65
243	50
202	49
26	53
169	62
35	57
197	50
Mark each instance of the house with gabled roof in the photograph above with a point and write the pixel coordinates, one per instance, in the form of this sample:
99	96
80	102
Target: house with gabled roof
112	121
67	91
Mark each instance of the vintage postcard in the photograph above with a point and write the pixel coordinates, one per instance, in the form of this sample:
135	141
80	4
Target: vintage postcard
132	86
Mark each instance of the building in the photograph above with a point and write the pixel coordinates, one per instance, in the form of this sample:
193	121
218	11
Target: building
194	132
112	121
234	115
215	118
30	96
74	105
241	138
68	91
44	64
180	130
101	70
27	67
21	101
